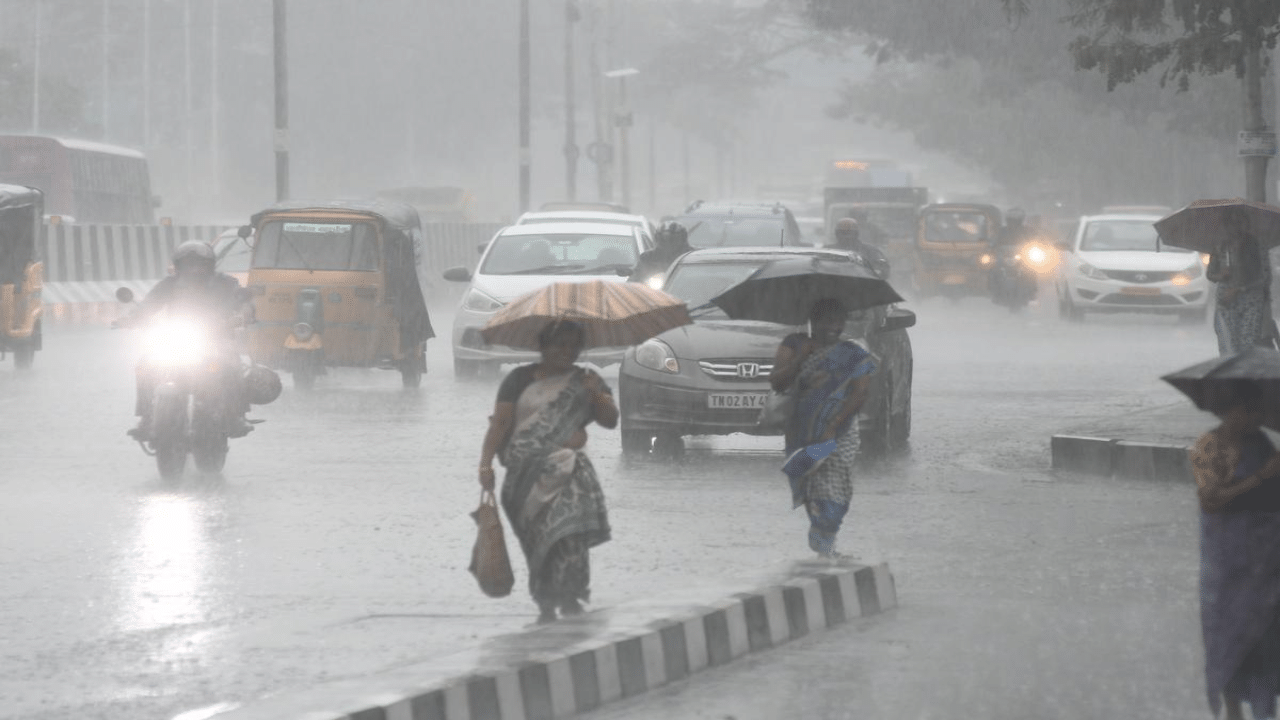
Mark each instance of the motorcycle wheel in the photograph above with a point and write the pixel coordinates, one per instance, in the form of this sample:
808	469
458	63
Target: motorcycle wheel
410	374
210	453
169	438
23	357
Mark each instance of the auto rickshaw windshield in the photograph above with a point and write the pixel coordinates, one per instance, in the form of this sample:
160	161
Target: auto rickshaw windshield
316	246
962	227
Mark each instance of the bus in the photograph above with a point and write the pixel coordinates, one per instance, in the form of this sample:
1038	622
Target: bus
82	181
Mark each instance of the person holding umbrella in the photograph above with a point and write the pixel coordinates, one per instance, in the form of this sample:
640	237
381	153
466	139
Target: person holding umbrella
551	494
831	378
1237	473
1242	271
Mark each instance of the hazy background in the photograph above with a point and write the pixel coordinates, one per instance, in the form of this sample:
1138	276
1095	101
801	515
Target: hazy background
732	99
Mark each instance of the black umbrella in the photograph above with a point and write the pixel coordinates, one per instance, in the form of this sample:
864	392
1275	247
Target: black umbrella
783	291
1216	385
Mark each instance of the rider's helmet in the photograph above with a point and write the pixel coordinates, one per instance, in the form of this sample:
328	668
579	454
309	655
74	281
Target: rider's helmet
1014	217
194	257
846	232
673	234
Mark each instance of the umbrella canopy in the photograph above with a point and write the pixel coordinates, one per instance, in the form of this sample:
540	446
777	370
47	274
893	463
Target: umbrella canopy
783	291
614	314
1203	224
1214	385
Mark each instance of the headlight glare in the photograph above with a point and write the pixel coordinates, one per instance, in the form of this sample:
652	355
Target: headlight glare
657	355
175	341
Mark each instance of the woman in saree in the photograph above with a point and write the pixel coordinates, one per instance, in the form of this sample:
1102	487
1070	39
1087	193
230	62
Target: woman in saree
550	494
1242	270
832	377
1235	468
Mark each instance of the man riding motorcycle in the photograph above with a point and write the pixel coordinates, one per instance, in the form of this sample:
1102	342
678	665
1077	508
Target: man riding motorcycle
848	237
1011	282
196	289
672	241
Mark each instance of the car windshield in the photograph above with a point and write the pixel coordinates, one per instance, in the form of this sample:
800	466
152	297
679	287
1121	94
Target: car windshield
559	254
956	227
562	218
316	246
730	231
696	283
1123	235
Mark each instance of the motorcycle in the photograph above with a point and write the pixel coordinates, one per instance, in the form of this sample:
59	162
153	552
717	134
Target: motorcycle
190	414
1015	272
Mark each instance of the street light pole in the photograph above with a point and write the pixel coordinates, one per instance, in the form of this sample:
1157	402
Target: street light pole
1255	163
35	73
106	64
523	61
571	16
282	100
623	120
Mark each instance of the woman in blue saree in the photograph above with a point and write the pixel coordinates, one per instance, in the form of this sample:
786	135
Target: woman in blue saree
551	495
831	378
1235	467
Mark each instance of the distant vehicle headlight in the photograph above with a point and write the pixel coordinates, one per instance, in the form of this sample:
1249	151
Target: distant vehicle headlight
986	259
477	301
654	282
1090	271
657	355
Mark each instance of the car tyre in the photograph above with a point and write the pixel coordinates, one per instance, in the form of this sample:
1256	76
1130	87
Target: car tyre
900	425
875	426
1194	317
668	446
1068	311
467	369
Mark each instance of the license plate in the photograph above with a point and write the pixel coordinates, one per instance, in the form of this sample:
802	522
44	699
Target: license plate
953	280
1139	291
736	400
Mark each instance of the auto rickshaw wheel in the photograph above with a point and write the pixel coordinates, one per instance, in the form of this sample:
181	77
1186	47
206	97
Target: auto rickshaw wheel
410	373
304	378
23	357
210	454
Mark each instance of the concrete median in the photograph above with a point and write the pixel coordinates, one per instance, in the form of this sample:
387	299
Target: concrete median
579	664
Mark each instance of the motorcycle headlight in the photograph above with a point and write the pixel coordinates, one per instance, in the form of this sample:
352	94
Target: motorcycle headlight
1037	257
657	355
176	342
1090	271
986	259
477	301
654	282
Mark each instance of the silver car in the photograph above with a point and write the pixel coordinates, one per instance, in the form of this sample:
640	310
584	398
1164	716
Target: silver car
523	258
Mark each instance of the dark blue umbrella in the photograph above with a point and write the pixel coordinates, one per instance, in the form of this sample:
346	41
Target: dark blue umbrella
783	291
1216	385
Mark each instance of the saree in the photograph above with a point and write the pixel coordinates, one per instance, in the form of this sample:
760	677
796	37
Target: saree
1245	320
825	381
550	494
1240	596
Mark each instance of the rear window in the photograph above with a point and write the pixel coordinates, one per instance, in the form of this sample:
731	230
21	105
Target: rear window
1121	236
560	254
730	231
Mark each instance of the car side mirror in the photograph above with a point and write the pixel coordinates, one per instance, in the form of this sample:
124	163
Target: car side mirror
244	231
124	295
457	274
481	247
898	319
624	271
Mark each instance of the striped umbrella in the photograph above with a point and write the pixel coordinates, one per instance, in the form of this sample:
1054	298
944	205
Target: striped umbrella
614	314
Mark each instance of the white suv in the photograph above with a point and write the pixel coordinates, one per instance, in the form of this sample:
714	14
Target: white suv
1116	263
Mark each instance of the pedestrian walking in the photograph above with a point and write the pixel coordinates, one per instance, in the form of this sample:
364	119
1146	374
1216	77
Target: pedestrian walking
1242	270
831	378
550	494
1236	469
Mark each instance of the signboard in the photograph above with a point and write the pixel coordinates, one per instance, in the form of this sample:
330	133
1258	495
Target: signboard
1256	144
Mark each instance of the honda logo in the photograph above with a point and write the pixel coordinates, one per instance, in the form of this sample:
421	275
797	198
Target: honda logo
748	370
1140	277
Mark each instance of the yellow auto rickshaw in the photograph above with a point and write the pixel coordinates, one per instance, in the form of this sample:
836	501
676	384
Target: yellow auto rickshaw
336	284
21	272
953	249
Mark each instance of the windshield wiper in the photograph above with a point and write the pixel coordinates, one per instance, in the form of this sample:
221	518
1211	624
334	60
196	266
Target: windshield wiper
704	309
548	270
602	269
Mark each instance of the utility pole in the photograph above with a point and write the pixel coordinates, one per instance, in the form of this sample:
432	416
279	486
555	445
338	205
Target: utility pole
188	105
524	106
623	120
571	16
146	74
282	101
35	72
1258	141
106	64
215	156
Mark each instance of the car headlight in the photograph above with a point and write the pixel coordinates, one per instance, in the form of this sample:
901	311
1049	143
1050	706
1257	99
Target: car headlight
657	355
1090	271
654	282
1181	279
477	301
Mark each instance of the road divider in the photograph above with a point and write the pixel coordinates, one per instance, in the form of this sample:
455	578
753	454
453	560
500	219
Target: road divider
579	664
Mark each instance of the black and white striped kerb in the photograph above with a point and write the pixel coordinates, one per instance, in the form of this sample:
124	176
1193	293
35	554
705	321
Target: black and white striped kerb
584	676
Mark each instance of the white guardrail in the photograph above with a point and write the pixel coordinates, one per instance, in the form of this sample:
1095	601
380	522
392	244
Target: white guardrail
84	264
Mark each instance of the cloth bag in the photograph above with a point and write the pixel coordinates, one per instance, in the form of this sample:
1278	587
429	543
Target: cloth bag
778	409
489	560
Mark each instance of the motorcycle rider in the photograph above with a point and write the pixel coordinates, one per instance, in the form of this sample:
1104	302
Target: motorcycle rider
672	241
195	288
1006	246
848	237
1015	230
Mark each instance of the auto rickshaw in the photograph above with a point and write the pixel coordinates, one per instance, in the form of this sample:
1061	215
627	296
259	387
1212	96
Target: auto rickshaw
336	284
953	249
21	272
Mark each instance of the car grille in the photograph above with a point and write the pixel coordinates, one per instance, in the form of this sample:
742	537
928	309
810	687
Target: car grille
1138	277
737	370
1142	300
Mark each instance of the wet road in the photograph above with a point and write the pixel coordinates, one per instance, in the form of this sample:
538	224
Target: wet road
336	544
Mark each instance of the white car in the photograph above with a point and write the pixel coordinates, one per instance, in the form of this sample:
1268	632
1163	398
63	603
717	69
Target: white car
523	258
1115	263
596	216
